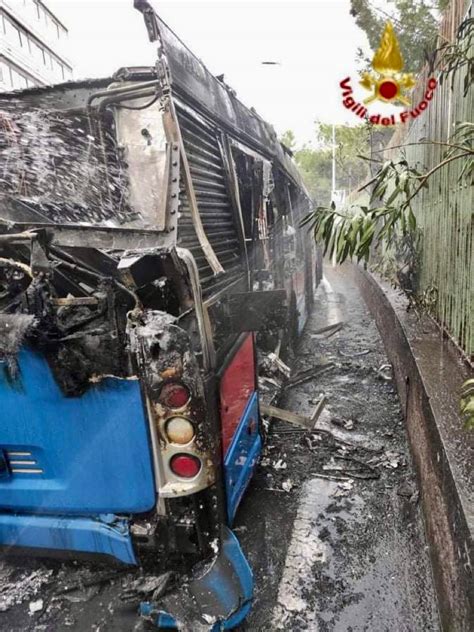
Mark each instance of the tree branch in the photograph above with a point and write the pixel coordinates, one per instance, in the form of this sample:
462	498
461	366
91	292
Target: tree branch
425	177
427	142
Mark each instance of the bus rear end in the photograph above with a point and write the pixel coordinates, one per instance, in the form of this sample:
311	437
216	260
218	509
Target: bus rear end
110	441
146	232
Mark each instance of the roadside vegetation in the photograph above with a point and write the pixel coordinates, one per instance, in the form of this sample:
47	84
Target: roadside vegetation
415	22
315	159
389	217
467	403
381	224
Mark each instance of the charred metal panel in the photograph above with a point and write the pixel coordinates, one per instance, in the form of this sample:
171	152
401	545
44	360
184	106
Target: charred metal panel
258	311
62	96
192	81
215	207
101	237
105	166
142	138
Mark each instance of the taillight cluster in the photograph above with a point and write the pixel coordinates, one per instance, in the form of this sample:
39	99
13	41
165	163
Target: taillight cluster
179	430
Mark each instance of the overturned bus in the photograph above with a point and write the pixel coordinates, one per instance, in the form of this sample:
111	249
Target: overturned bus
149	227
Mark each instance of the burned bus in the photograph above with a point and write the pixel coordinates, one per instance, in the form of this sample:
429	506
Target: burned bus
149	233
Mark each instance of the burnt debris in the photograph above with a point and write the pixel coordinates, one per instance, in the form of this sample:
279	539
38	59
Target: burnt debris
72	305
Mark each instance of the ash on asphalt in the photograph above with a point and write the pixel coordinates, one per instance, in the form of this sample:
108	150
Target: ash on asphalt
332	525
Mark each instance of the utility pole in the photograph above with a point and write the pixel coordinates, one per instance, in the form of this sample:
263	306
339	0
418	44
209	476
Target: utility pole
333	186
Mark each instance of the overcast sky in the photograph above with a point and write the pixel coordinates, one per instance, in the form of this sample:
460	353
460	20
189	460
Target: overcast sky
314	41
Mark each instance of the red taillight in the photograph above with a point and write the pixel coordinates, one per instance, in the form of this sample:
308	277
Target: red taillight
174	395
185	465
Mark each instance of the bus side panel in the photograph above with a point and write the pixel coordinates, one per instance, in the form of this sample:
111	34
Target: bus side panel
242	457
236	388
241	439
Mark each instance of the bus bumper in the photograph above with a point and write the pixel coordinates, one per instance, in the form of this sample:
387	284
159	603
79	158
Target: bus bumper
220	597
107	536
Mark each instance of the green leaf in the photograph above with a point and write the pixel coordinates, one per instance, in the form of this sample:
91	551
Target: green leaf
468	408
311	217
367	235
395	193
411	220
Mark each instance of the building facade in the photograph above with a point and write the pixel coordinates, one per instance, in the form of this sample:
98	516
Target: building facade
33	45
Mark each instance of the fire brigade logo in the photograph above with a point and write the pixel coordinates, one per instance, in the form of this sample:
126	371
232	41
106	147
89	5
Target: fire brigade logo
388	83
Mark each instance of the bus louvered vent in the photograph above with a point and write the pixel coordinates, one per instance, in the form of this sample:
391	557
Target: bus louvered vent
214	204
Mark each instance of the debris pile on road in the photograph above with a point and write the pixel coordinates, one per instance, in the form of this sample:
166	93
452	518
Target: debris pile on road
343	451
17	586
272	375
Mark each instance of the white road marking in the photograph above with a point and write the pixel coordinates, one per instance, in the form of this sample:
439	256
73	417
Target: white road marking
306	549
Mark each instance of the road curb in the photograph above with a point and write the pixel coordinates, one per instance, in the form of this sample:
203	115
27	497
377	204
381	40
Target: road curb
428	373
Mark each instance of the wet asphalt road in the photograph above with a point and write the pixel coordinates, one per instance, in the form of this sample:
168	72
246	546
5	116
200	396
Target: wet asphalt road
331	523
343	555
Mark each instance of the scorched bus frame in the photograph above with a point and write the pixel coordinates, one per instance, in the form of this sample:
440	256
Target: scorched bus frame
149	227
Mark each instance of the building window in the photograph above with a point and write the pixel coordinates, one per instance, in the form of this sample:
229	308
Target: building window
36	51
21	39
57	69
14	78
10	31
4	74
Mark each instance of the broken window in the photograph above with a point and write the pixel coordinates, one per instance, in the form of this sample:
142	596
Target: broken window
255	184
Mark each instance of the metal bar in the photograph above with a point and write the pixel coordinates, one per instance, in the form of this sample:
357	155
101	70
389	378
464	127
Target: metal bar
74	301
99	237
293	418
